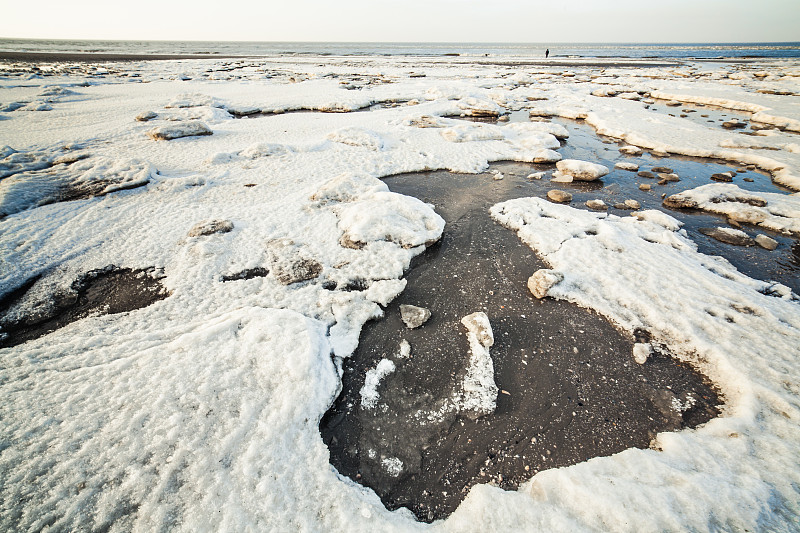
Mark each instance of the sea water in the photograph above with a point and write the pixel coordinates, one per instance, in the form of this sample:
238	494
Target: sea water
557	50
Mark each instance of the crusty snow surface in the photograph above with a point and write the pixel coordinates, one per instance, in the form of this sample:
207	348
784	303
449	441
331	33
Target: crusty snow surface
201	411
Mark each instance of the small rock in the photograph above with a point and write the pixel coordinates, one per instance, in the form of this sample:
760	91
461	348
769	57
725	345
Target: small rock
748	180
722	176
674	103
558	196
542	280
667	177
646	174
765	242
597	205
733	124
659	170
644	187
536	176
413	316
632	204
729	236
210	227
633	167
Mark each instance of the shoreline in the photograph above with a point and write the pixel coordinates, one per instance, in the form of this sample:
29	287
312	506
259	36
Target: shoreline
91	57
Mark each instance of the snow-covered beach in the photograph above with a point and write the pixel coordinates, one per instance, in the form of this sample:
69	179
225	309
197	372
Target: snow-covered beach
247	195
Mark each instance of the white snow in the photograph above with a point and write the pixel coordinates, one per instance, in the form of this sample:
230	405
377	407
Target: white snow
201	411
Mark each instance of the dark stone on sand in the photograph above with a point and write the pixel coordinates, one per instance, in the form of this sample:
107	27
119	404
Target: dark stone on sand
290	264
414	316
104	291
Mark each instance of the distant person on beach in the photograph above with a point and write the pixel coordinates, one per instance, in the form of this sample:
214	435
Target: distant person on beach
546	53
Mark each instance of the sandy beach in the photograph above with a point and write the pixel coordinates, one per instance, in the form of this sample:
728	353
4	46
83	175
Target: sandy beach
205	265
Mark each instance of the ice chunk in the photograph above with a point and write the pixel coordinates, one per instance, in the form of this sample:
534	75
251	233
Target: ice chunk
360	137
176	131
479	394
542	280
388	216
369	392
581	170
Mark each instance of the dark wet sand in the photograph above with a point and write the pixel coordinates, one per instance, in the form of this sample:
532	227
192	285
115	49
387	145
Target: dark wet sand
573	389
99	292
64	57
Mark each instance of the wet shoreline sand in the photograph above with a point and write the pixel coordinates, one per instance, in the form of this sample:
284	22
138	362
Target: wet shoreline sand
56	57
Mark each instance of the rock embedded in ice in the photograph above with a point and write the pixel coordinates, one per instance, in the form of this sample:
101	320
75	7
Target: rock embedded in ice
291	264
622	165
669	177
542	281
210	227
168	132
413	316
559	196
146	116
728	236
597	205
641	352
765	242
734	124
581	170
722	176
630	150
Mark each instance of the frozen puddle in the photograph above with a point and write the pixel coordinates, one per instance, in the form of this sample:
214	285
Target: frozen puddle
569	386
38	308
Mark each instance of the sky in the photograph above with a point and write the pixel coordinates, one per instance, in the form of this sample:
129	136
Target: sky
531	21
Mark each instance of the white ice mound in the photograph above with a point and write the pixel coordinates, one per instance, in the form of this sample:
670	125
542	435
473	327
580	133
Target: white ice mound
95	176
255	151
190	128
347	187
473	132
388	216
360	137
479	107
478	396
194	100
523	128
369	392
772	211
12	161
581	170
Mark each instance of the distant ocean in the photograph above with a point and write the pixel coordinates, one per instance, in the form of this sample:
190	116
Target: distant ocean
272	49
